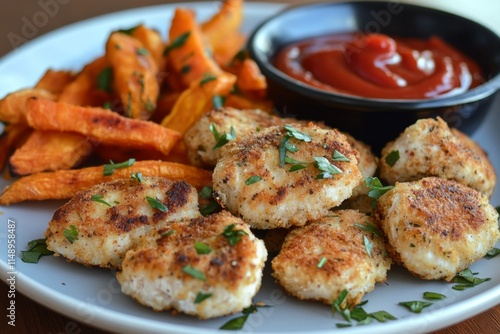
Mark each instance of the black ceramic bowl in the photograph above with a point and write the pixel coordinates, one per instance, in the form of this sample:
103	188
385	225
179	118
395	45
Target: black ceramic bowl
376	121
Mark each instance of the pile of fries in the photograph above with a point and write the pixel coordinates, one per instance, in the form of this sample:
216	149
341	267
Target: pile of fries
136	101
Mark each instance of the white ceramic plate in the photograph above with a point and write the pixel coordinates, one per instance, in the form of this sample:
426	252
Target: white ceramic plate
93	296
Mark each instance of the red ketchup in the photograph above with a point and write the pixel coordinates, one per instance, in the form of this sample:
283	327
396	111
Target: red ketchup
379	66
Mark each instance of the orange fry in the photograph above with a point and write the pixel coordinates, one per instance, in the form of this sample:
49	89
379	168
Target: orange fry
101	125
187	49
55	81
48	151
64	184
134	73
197	100
13	135
151	40
13	106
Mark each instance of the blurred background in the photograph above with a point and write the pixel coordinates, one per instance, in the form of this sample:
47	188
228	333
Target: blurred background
24	20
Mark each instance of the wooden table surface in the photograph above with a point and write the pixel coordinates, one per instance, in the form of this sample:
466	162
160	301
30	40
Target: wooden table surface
35	318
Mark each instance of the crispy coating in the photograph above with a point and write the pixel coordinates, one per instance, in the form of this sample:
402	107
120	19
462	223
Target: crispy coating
155	274
430	148
437	227
343	240
106	232
280	197
199	140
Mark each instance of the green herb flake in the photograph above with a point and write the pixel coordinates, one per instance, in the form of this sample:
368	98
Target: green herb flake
202	248
382	316
297	167
466	279
233	236
343	325
36	249
218	101
185	69
177	43
235	323
128	31
337	156
201	296
339	305
206	79
492	253
195	273
142	51
99	199
107	105
206	192
166	234
433	295
137	176
221	139
240	56
392	158
209	208
71	234
150	107
294	133
105	79
321	262
376	189
368	245
253	179
109	169
156	204
370	228
283	150
415	306
326	167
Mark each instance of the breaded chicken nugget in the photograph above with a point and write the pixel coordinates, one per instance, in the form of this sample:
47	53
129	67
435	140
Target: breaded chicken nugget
344	251
208	267
200	140
437	227
105	221
430	148
367	163
284	176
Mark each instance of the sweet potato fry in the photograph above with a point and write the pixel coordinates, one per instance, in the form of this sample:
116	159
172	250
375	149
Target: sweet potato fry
55	81
196	101
227	21
13	106
250	78
12	136
134	73
49	151
243	102
101	125
64	184
151	40
86	90
187	49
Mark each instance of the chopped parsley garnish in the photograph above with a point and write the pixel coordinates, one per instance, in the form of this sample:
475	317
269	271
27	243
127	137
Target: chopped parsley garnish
433	295
156	204
71	234
368	245
253	179
109	169
201	296
392	158
177	43
104	79
466	279
128	31
340	305
36	249
107	105
195	273
166	234
415	306
382	316
240	56
326	167
150	107
232	235
321	262
294	133
185	69
142	51
370	228
239	322
99	199
376	187
206	79
492	253
221	139
206	192
337	156
202	248
137	176
218	101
